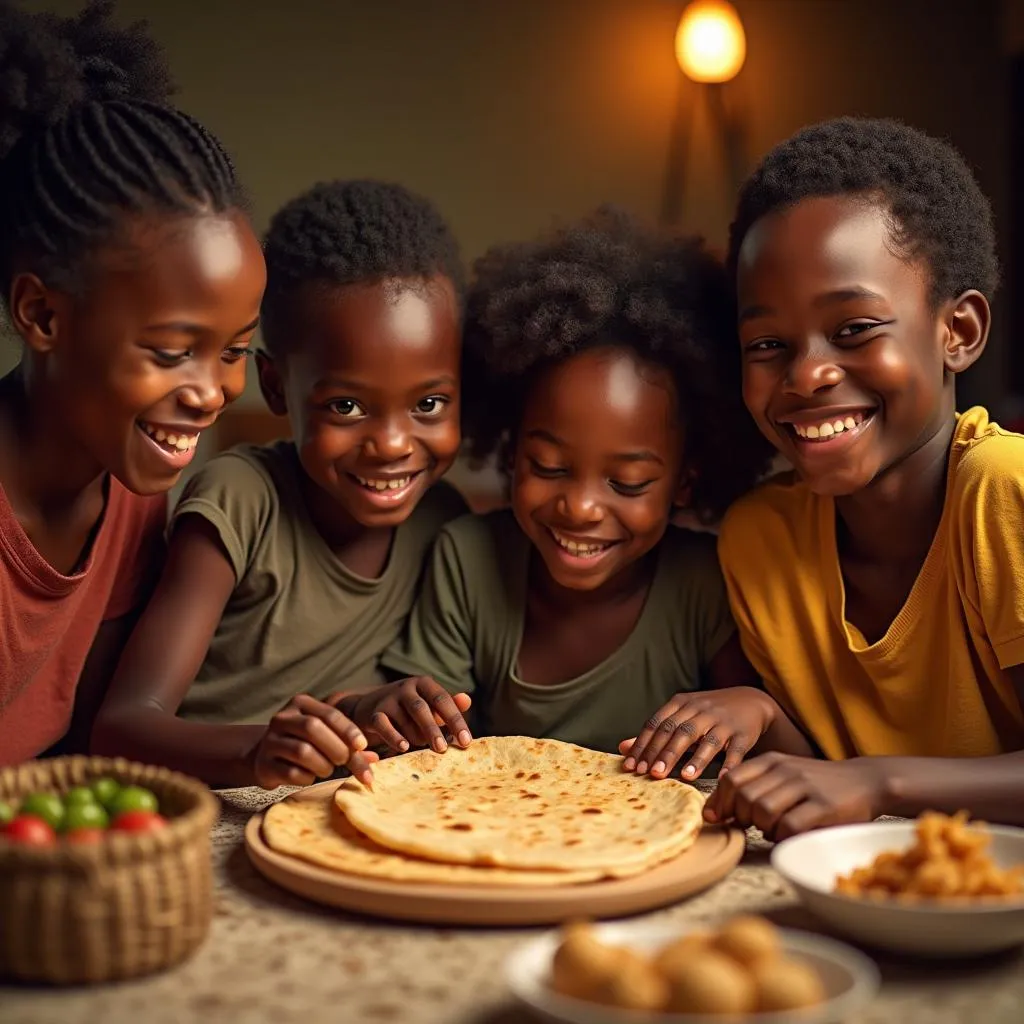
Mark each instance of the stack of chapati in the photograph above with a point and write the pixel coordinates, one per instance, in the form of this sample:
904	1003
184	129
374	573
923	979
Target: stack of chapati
507	811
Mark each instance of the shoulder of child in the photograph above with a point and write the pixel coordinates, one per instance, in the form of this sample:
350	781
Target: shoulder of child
989	473
777	506
246	471
475	538
440	505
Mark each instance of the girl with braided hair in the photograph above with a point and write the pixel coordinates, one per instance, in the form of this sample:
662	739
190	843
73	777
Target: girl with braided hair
132	277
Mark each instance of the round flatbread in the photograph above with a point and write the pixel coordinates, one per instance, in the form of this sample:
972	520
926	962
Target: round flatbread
517	802
317	832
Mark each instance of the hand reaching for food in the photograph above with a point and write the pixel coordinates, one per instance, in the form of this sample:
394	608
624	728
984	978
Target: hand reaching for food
411	713
783	795
731	719
306	740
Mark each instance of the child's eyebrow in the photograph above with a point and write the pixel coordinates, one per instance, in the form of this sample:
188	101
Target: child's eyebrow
825	299
446	380
642	455
187	327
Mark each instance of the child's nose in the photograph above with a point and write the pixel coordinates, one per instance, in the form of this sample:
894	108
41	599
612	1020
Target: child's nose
580	506
812	372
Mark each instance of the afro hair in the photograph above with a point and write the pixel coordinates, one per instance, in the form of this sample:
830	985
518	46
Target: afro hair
609	280
345	232
938	212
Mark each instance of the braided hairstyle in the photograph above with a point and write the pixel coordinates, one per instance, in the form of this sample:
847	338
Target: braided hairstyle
610	280
87	139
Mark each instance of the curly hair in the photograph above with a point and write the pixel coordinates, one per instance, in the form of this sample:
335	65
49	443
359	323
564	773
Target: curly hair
609	280
343	232
938	213
87	138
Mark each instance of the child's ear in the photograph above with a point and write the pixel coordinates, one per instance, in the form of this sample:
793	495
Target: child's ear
271	384
967	326
37	313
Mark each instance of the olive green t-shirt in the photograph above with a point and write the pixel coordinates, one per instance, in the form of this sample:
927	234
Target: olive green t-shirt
466	627
298	621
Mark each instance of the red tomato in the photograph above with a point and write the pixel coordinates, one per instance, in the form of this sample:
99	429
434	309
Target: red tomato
138	821
29	830
85	835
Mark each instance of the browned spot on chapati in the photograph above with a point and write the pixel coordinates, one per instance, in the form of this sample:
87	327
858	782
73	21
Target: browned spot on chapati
520	775
531	796
460	826
534	776
592	810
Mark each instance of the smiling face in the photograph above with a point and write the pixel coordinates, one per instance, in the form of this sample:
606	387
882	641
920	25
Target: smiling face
598	462
370	382
144	360
848	362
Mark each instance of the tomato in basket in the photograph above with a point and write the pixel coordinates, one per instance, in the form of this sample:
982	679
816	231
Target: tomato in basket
29	830
138	821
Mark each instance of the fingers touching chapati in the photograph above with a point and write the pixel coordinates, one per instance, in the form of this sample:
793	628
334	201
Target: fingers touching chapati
412	713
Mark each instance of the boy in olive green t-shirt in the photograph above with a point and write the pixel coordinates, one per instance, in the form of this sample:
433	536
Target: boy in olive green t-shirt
292	566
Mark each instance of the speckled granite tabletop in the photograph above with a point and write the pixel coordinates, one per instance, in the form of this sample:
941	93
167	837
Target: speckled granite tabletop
275	959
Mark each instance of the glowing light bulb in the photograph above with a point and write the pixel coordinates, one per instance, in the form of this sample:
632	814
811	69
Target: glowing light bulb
710	43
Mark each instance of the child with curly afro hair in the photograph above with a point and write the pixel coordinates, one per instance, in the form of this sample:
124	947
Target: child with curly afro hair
600	363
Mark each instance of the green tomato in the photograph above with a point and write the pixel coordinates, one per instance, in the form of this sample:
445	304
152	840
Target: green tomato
78	795
133	798
47	806
105	790
6	813
85	816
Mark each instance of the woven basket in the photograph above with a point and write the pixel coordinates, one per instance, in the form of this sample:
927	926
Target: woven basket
127	906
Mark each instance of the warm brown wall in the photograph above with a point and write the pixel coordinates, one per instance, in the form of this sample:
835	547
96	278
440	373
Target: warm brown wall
510	113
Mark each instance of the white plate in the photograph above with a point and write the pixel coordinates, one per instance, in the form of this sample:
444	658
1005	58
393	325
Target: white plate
850	979
812	862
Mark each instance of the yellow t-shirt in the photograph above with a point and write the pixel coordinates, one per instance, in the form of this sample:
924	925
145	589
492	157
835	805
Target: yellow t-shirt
936	684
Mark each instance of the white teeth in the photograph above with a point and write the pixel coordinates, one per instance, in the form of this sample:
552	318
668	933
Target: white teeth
578	549
179	442
385	485
829	428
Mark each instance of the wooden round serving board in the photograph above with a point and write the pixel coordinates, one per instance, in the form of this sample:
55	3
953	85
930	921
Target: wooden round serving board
715	853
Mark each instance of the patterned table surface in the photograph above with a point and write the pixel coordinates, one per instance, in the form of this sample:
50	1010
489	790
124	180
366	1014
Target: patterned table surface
276	959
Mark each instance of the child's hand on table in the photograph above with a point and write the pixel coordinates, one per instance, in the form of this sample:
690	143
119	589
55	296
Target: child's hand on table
306	740
411	712
732	719
783	795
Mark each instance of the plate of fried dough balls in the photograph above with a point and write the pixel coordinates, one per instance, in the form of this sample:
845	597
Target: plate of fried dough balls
745	970
941	886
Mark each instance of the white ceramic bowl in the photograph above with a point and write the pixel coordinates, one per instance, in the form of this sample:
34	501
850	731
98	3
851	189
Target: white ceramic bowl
812	862
850	979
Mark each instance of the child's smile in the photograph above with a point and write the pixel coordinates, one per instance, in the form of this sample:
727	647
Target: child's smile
597	465
843	346
373	395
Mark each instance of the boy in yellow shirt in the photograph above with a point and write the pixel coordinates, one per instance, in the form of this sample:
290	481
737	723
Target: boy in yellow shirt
879	590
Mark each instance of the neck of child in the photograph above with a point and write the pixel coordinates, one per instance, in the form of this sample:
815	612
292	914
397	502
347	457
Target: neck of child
39	460
333	522
896	516
625	584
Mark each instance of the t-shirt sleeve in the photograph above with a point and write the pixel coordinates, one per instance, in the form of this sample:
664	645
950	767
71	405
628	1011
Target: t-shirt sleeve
989	495
714	619
736	563
437	638
141	556
236	499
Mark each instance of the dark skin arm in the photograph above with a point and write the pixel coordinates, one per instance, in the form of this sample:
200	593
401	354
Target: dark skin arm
97	673
785	795
734	715
307	739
